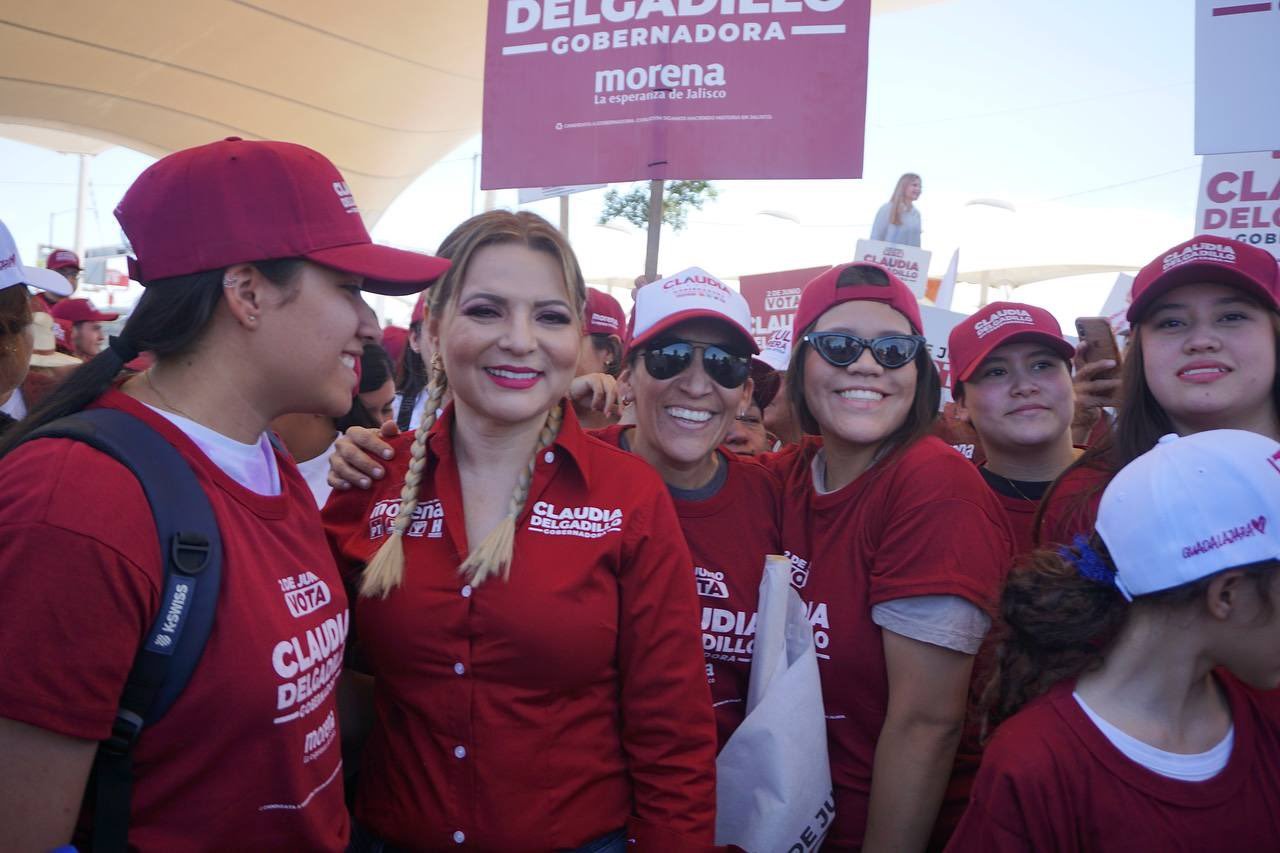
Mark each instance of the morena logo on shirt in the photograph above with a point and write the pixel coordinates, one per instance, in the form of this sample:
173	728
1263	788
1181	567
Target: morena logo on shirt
1252	527
1215	252
588	522
428	519
1003	317
710	584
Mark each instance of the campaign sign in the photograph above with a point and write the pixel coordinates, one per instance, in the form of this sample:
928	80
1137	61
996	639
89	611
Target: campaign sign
938	323
906	262
773	298
1237	65
598	91
1240	198
532	194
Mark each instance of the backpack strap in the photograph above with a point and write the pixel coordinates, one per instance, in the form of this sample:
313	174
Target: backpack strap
191	548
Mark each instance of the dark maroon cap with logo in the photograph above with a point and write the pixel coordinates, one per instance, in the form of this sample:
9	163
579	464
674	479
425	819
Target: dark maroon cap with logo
238	201
604	315
822	293
977	336
1207	259
62	259
80	311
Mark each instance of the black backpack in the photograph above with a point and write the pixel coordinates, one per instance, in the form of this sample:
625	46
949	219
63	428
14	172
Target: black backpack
191	548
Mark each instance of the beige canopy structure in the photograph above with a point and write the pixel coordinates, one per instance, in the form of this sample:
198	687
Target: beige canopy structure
1013	277
384	88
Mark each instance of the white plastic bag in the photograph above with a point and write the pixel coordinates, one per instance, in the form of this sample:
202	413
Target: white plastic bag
773	778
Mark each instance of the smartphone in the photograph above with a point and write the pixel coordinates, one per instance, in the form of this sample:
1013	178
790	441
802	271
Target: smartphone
1096	332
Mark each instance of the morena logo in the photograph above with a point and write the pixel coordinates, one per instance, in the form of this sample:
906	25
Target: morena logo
11	261
1218	253
604	320
344	195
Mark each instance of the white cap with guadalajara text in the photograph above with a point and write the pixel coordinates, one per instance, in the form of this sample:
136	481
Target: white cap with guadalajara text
1192	507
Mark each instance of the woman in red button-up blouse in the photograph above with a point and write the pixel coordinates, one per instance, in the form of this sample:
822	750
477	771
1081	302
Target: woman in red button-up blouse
543	688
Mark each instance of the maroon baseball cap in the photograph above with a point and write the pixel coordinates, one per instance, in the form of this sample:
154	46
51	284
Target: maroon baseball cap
419	309
823	293
977	336
62	259
80	311
1206	259
238	201
604	315
394	341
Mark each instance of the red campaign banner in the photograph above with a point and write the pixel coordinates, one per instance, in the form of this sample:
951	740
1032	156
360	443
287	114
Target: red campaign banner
600	91
773	298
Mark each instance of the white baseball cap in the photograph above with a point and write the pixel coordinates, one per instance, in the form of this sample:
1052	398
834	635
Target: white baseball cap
688	295
1192	507
776	351
44	349
12	271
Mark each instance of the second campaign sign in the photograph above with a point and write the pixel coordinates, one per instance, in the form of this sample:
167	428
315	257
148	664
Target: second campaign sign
599	91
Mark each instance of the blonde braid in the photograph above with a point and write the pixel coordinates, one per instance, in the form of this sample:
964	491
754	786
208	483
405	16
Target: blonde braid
494	554
386	570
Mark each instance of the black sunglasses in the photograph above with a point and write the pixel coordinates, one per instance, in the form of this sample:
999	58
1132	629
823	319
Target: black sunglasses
725	368
842	350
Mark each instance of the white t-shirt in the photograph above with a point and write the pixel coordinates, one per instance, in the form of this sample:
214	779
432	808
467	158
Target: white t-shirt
316	473
251	465
1173	765
15	407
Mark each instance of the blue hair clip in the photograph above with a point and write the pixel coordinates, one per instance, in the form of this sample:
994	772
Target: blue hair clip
1087	561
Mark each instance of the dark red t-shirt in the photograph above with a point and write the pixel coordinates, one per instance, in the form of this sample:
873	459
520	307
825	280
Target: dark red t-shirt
921	522
1071	507
544	711
1051	781
729	535
248	757
1021	514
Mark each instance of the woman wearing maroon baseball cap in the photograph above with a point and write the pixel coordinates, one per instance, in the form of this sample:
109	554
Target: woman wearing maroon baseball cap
1203	355
1011	372
899	549
253	256
524	597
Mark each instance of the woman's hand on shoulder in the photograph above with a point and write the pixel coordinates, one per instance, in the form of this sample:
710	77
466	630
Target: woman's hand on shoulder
354	461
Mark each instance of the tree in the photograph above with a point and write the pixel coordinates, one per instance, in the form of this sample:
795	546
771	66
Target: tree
677	198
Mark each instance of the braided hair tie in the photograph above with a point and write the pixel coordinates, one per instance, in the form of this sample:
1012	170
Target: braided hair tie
1091	566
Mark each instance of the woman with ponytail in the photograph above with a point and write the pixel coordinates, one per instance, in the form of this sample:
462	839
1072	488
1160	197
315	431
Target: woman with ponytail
1134	666
524	602
253	256
1203	355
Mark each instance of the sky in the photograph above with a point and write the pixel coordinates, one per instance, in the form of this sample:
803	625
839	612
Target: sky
1078	115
